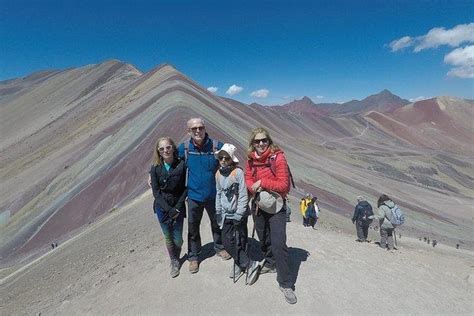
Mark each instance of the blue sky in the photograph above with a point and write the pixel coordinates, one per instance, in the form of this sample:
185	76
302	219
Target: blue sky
331	51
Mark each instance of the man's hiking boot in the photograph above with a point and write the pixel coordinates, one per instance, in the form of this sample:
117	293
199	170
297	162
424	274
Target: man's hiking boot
267	269
174	268
235	270
193	266
252	272
223	254
290	296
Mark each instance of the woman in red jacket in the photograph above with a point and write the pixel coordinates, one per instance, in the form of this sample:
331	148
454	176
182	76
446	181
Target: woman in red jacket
267	171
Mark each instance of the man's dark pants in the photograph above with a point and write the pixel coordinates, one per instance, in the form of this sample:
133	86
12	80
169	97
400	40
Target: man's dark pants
195	211
362	229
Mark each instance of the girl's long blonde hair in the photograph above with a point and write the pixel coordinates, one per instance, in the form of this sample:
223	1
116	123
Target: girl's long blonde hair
157	159
256	131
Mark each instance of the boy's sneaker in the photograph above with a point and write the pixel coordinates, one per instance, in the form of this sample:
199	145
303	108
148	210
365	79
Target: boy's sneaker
223	254
290	296
252	272
193	266
235	270
267	269
174	268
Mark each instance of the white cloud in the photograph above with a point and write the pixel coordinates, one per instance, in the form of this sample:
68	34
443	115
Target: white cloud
440	36
462	72
420	98
461	58
401	43
212	89
262	93
319	97
234	89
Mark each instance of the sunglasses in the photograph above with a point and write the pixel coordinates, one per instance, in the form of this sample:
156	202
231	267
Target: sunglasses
197	128
226	158
162	149
261	140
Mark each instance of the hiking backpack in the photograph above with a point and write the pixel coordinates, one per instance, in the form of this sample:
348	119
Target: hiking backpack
397	218
366	212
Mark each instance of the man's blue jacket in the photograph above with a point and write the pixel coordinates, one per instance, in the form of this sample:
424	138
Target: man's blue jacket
202	167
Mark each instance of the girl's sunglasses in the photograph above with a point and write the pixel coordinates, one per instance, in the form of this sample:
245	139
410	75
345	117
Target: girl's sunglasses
162	149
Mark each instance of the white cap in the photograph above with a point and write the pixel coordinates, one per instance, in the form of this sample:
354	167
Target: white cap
230	150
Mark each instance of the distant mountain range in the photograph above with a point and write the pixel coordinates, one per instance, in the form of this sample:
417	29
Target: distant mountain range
77	143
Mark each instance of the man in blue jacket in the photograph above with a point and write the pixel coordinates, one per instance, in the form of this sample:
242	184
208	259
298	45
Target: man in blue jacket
198	153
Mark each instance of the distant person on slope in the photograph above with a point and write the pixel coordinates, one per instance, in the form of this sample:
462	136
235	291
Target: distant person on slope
269	186
312	212
385	204
232	210
198	153
303	208
168	177
362	212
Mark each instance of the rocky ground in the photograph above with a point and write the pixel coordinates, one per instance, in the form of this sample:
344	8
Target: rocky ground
119	266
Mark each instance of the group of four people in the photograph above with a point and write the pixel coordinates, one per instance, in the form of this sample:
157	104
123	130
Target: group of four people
205	173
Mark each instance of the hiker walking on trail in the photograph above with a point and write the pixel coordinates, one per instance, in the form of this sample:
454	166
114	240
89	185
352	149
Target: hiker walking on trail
362	212
202	165
168	176
232	210
303	208
385	204
268	179
312	212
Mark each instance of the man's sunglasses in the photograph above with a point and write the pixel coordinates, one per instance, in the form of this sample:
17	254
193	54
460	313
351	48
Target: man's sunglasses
197	128
261	140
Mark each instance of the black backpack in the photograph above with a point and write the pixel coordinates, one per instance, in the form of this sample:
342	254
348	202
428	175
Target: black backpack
366	212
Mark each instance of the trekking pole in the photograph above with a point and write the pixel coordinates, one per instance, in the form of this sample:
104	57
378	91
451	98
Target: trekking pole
395	237
236	249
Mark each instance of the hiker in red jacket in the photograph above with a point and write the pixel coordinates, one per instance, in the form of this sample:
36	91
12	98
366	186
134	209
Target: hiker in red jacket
268	180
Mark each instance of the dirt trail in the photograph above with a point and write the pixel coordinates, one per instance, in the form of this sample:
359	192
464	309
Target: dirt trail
120	266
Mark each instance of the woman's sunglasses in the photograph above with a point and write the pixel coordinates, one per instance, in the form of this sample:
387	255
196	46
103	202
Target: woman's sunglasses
261	140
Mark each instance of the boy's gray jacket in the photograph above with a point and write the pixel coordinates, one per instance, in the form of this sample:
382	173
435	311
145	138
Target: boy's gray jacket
231	197
385	211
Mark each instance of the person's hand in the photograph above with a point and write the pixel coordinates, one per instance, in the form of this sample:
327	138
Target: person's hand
149	180
256	186
236	222
371	217
173	213
353	221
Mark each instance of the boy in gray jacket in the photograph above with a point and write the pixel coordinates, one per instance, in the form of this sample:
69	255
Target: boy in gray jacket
232	210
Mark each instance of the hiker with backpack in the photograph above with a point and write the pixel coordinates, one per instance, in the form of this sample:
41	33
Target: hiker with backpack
168	177
232	211
303	208
362	218
312	212
268	179
202	165
389	216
